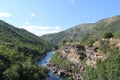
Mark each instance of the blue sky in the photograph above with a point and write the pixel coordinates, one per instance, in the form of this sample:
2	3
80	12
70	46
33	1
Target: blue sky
50	16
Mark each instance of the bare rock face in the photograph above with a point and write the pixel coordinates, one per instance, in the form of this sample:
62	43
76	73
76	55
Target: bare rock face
93	55
77	52
74	53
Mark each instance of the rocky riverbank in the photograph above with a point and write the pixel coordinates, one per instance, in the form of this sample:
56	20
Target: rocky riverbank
65	73
78	55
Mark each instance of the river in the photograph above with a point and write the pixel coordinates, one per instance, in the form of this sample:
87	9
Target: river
44	62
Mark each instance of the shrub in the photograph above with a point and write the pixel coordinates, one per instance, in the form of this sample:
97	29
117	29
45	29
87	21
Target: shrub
108	35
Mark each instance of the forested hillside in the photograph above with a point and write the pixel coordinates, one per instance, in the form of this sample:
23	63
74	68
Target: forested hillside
98	60
19	51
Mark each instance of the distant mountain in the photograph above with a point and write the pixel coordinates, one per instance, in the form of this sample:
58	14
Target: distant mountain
84	31
19	50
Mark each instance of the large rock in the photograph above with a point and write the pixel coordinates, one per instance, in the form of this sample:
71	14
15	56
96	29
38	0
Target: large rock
61	73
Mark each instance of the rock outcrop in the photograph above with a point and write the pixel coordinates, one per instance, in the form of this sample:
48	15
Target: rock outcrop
77	52
79	55
74	53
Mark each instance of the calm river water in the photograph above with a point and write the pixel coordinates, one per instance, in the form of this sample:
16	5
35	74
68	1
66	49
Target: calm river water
44	62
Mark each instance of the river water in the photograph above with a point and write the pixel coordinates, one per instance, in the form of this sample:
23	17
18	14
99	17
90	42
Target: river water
44	62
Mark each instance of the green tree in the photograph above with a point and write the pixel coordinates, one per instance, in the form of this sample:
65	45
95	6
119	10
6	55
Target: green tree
108	35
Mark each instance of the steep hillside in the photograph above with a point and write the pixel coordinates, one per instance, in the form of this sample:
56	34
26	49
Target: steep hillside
84	31
80	62
19	51
13	36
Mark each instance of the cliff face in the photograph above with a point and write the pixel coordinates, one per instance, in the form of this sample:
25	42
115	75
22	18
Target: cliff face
77	52
74	53
93	56
83	56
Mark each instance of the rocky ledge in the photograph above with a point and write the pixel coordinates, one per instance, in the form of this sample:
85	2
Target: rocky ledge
65	73
81	55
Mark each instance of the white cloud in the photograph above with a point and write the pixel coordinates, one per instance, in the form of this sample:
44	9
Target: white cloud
41	30
33	14
4	14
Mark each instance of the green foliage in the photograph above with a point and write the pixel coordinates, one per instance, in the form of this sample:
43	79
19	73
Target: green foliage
62	43
117	33
86	31
89	73
11	36
105	70
11	73
61	62
104	46
108	35
15	65
89	42
18	52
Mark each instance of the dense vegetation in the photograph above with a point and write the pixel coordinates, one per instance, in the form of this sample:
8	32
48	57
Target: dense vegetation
108	69
19	51
16	65
105	70
21	38
86	31
61	62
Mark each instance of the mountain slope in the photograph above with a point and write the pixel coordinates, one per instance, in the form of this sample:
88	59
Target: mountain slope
84	31
19	50
20	37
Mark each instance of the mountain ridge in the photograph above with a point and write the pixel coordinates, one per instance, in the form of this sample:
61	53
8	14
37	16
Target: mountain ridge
83	31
